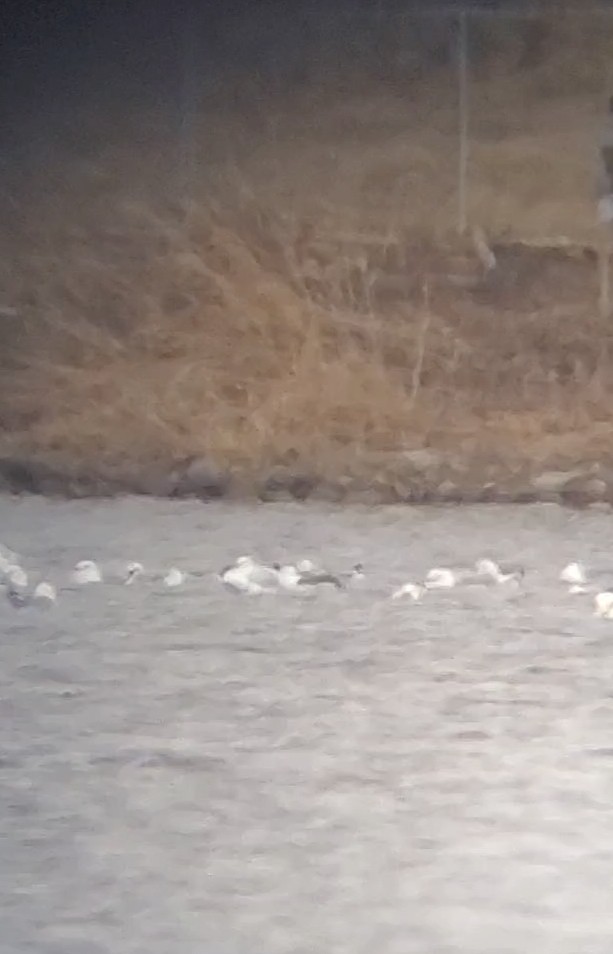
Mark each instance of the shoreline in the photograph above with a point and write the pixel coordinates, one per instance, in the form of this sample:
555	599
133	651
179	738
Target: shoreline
420	477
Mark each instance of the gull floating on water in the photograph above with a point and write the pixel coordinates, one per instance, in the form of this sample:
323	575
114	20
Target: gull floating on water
16	581
354	575
247	576
16	596
414	590
574	574
484	571
133	570
499	573
86	571
174	577
603	604
291	577
441	578
44	592
16	576
357	571
307	567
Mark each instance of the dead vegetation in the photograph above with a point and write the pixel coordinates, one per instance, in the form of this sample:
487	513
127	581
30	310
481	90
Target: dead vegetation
308	303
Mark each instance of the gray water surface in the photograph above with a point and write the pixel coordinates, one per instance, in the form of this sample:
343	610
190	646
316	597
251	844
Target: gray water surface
192	772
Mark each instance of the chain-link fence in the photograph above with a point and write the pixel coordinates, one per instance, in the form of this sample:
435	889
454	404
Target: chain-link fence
442	115
503	105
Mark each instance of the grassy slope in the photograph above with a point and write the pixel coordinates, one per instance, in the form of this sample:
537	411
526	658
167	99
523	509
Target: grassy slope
296	306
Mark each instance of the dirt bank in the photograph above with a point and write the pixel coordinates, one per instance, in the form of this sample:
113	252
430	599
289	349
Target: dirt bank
303	319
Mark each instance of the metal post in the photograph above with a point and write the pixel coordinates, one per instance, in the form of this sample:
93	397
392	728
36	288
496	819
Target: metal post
463	112
187	102
605	211
604	269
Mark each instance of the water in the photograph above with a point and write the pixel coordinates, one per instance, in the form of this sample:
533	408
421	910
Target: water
185	772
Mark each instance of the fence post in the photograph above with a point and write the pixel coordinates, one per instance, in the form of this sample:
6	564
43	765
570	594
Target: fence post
187	101
604	263
605	212
463	114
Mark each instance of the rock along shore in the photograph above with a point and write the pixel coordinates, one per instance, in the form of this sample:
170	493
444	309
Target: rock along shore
422	476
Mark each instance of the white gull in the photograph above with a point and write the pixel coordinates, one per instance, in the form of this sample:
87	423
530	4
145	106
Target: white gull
86	571
249	577
16	576
414	590
133	570
175	577
574	574
442	578
44	592
499	572
603	604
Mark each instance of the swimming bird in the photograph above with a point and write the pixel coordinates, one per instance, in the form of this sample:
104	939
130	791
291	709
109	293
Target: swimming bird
319	578
16	576
574	574
313	570
247	576
290	577
603	604
414	590
441	578
307	566
16	582
16	596
44	592
174	577
354	575
577	589
132	571
86	571
500	573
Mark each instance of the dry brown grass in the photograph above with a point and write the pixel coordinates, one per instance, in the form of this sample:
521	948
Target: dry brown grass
298	307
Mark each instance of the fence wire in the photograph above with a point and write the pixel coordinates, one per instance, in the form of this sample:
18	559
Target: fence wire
463	39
